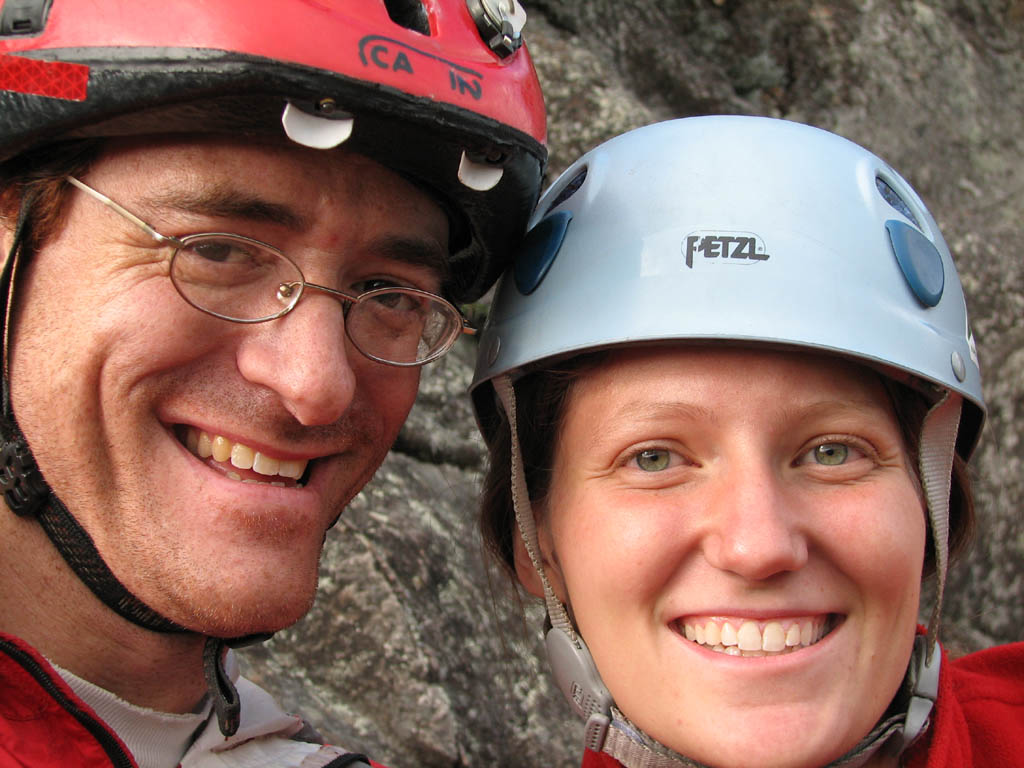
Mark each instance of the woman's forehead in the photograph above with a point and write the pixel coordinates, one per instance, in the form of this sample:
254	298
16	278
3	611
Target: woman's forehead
705	376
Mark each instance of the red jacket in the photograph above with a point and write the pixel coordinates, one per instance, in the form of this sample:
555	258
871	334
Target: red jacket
979	716
44	724
978	720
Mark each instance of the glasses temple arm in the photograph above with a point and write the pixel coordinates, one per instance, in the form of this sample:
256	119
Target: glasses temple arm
121	211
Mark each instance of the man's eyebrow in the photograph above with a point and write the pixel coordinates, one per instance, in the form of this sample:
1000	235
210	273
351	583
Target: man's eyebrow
226	202
418	252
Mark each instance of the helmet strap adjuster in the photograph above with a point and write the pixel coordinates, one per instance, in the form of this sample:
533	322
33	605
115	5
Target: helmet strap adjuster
22	484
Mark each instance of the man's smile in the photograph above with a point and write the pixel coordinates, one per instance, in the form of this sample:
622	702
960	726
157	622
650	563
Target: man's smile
241	462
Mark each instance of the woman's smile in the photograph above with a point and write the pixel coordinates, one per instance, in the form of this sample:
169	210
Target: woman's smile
752	638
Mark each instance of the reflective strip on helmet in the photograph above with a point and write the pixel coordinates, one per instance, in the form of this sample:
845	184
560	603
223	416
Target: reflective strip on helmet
54	79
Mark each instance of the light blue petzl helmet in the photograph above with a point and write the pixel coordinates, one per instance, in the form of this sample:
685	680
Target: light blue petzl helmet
740	230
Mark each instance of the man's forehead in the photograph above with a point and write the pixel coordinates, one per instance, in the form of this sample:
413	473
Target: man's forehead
262	164
270	182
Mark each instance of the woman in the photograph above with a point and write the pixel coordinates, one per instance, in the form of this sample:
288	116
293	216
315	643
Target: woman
746	392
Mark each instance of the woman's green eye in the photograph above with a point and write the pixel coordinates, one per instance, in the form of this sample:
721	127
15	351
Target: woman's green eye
653	460
831	454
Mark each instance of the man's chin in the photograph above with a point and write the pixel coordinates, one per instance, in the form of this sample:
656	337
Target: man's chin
242	624
248	611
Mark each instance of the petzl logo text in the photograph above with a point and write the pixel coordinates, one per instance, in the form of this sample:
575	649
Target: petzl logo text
724	247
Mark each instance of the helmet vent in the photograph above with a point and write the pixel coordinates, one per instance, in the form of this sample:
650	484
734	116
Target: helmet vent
409	14
569	189
893	198
23	17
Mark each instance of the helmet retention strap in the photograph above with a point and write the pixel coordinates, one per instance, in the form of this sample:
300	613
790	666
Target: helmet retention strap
524	513
573	667
935	462
8	279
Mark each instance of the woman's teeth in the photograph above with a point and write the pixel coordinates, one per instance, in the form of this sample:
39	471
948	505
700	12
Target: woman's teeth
740	637
241	456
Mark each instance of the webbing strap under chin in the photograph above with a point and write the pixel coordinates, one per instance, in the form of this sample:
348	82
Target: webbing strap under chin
634	749
892	735
524	512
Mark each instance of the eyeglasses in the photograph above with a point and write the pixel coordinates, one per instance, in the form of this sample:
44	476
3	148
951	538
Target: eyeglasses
243	280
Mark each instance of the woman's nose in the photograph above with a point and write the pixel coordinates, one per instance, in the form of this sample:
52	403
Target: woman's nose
305	358
754	529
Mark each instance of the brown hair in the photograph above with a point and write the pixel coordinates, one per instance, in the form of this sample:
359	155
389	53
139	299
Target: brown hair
39	176
543	395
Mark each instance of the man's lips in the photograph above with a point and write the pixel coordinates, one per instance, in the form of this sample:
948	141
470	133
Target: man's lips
241	462
753	637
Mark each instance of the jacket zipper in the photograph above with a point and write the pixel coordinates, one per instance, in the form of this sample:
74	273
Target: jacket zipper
97	729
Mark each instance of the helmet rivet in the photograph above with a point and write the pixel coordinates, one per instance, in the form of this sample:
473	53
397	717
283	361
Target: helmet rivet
326	105
500	23
959	369
493	347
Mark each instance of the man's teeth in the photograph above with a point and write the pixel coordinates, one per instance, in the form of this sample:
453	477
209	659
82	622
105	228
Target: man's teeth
204	445
739	637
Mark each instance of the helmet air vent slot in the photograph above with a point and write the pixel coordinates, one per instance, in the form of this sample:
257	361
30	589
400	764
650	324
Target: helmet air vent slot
23	17
569	189
409	14
892	197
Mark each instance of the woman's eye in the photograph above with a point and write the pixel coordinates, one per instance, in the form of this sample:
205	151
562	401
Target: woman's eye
653	459
830	454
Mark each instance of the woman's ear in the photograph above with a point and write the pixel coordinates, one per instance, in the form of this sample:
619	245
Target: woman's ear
526	572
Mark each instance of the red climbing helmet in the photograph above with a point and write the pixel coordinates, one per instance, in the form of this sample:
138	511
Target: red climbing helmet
442	91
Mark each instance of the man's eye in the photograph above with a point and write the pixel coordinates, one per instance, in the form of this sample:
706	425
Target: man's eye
373	285
217	251
653	459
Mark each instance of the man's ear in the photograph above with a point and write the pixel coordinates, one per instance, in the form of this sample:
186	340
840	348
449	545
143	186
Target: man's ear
528	575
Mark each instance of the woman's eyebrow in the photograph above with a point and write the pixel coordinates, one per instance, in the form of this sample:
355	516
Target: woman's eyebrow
844	407
663	410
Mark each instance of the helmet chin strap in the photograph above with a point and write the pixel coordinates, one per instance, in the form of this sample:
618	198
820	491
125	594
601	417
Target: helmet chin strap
935	462
27	494
608	730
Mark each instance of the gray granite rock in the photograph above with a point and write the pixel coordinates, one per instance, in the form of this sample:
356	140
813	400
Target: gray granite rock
415	651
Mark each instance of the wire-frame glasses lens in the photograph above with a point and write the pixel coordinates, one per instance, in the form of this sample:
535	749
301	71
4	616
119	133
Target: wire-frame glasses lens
235	278
402	326
243	280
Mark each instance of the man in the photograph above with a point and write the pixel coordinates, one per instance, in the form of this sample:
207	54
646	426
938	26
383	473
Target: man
232	232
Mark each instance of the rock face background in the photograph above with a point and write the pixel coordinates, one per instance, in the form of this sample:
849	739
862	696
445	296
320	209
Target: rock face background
417	654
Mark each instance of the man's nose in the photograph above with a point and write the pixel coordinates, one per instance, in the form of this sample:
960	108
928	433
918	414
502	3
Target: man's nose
753	529
305	358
